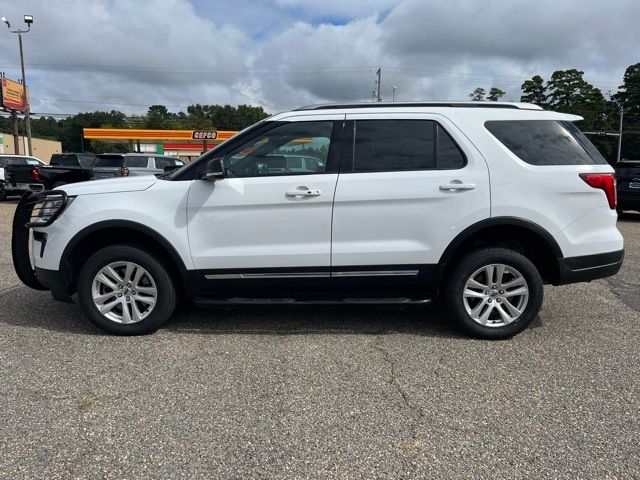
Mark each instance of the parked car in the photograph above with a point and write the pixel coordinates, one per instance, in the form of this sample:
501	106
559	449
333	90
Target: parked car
628	185
9	186
124	164
63	168
482	203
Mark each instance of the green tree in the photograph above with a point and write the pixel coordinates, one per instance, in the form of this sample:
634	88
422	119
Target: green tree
495	94
628	96
158	117
534	91
478	95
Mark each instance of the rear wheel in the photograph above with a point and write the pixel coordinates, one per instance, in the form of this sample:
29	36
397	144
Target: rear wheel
126	291
494	293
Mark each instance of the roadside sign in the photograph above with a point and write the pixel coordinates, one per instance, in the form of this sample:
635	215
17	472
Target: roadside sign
11	95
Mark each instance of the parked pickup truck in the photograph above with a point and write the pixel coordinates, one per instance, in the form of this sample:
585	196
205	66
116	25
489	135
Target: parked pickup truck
8	187
108	165
64	168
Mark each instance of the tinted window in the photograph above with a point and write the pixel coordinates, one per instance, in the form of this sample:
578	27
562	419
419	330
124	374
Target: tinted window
137	162
545	142
279	151
86	160
66	160
4	161
109	161
394	145
449	155
162	162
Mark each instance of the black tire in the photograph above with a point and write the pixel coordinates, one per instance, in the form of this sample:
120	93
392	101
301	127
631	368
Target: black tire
166	292
462	272
3	192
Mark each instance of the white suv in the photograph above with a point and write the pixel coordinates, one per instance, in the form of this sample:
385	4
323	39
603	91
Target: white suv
479	202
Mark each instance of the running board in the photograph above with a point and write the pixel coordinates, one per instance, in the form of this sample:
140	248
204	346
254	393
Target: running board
211	302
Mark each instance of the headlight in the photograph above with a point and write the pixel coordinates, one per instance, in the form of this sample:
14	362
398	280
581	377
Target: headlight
47	206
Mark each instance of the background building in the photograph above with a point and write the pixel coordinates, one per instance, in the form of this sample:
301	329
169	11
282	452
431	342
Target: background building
42	149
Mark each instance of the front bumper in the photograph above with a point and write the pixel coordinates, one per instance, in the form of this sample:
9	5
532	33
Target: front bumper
589	267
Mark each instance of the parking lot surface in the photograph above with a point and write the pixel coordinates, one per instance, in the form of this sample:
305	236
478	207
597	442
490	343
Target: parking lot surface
306	392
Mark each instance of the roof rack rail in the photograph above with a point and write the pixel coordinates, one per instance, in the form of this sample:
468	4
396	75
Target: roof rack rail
332	106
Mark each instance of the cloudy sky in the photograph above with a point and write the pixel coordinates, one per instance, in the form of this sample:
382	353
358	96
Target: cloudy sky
128	54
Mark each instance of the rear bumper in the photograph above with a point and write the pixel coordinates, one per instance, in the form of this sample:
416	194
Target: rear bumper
589	267
628	202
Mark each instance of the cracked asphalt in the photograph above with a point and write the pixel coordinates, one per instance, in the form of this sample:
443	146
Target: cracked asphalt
323	393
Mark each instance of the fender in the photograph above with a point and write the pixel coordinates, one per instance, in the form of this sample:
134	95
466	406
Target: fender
121	224
496	222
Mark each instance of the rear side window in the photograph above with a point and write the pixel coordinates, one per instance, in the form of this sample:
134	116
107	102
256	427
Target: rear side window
162	163
137	162
404	145
394	145
546	142
66	160
109	161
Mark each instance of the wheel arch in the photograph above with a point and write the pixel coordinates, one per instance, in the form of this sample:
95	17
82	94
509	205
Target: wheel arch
522	235
110	232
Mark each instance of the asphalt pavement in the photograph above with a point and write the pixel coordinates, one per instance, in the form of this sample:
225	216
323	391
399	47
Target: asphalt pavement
306	392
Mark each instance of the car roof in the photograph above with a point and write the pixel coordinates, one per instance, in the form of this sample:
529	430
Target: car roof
336	106
458	112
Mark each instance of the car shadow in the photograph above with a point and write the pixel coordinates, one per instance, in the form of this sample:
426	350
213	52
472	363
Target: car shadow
28	309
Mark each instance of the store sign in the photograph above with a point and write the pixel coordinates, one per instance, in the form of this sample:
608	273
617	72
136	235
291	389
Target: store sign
11	95
203	135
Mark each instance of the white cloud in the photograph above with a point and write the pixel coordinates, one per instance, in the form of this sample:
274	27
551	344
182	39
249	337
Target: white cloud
285	53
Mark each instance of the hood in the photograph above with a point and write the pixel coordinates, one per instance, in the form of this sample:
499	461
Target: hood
110	185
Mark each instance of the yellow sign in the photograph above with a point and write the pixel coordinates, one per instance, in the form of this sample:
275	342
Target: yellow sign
12	96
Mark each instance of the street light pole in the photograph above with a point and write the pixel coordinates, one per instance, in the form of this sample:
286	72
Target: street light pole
620	134
28	19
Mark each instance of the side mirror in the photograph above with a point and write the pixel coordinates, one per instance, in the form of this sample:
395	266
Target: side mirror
214	170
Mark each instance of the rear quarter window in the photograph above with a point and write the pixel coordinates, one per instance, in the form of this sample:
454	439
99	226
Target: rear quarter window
545	142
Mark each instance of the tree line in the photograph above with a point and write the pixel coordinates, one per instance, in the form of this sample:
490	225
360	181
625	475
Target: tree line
68	130
567	91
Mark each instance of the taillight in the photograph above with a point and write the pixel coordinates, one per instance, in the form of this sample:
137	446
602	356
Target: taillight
35	173
124	171
605	182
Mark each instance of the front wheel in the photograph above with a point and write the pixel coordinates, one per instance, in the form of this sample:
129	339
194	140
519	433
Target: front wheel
493	293
125	291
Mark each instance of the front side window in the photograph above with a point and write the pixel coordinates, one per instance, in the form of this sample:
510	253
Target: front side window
545	142
297	148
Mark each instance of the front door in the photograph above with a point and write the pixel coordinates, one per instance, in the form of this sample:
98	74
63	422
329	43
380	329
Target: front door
410	185
270	217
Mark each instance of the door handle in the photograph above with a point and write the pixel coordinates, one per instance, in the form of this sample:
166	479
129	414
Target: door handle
303	192
457	185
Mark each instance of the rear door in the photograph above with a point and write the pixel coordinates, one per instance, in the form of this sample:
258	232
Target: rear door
410	184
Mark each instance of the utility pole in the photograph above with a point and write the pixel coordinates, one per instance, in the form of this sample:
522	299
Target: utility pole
28	20
14	130
621	109
620	133
378	84
27	120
